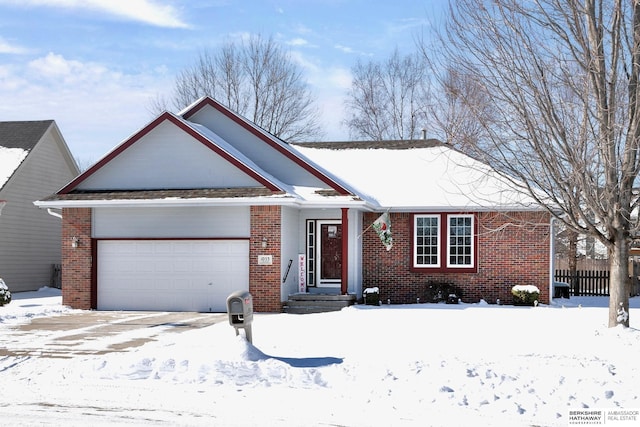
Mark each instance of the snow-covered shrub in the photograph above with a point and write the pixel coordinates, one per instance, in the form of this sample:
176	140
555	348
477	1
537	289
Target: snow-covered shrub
371	296
5	295
525	295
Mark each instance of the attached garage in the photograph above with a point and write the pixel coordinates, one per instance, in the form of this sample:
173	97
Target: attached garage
189	209
170	275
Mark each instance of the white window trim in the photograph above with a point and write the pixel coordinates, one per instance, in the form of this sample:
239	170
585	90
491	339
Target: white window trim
473	247
415	241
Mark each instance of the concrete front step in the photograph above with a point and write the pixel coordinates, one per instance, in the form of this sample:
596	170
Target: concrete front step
317	303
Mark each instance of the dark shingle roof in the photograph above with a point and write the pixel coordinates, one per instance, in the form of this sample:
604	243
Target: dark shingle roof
365	145
24	135
205	193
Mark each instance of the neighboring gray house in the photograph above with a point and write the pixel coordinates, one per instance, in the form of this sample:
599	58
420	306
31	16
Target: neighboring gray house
34	162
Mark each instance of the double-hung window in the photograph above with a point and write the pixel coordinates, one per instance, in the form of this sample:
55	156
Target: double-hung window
426	241
444	242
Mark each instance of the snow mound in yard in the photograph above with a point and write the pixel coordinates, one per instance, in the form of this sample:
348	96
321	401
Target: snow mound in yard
222	358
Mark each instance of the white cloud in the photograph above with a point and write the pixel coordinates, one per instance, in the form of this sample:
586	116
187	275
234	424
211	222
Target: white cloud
68	72
95	106
351	51
301	29
329	84
340	78
150	12
332	84
406	25
12	80
345	49
6	47
298	41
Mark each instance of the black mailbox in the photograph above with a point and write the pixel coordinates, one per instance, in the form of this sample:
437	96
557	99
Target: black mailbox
240	310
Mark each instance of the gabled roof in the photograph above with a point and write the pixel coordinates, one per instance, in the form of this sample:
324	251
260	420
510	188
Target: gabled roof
17	139
327	189
422	175
277	144
239	161
24	134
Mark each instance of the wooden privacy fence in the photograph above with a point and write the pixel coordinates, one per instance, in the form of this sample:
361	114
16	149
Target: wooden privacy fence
585	282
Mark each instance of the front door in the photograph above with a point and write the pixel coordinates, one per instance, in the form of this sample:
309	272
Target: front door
330	253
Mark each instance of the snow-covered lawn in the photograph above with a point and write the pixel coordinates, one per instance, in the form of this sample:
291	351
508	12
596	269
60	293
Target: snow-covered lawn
426	365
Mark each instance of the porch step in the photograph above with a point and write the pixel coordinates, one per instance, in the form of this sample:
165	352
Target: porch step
317	303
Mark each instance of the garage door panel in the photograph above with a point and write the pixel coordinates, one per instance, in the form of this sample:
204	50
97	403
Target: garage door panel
171	275
199	266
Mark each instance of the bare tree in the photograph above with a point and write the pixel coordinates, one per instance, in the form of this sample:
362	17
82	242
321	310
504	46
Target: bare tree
257	79
459	108
388	99
562	77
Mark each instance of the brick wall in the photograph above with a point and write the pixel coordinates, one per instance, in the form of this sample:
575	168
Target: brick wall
513	249
264	280
76	262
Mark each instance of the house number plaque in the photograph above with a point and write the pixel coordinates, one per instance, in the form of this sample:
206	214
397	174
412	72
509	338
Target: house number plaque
265	259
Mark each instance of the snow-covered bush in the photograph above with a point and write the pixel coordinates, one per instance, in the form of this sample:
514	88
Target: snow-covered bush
5	295
371	296
525	295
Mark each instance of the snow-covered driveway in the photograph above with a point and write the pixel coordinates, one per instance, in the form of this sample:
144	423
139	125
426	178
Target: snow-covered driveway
96	332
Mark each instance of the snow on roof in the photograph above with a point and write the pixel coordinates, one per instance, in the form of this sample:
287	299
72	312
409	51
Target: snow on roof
10	159
436	177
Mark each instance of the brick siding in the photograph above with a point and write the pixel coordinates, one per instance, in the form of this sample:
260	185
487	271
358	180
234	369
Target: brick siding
76	262
513	249
264	280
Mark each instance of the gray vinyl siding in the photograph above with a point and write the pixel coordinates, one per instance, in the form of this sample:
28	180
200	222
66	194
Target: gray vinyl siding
158	161
289	250
264	155
172	222
29	236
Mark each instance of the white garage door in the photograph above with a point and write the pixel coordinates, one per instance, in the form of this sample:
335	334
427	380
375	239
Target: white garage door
171	275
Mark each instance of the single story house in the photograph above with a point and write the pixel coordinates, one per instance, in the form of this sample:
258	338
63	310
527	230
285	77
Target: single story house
199	204
34	162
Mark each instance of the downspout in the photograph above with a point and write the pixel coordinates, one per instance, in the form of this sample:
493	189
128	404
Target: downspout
51	212
345	252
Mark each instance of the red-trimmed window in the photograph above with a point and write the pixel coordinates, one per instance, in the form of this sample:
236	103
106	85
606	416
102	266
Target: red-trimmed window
444	242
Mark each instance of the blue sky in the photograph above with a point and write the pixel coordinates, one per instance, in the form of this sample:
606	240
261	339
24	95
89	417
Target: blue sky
94	65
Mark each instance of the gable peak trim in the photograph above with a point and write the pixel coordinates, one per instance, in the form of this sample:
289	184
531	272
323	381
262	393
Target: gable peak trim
178	122
278	144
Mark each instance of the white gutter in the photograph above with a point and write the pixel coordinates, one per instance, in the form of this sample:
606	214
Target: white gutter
262	201
462	208
198	202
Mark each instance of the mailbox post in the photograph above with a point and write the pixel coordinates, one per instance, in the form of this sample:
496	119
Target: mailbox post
240	310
